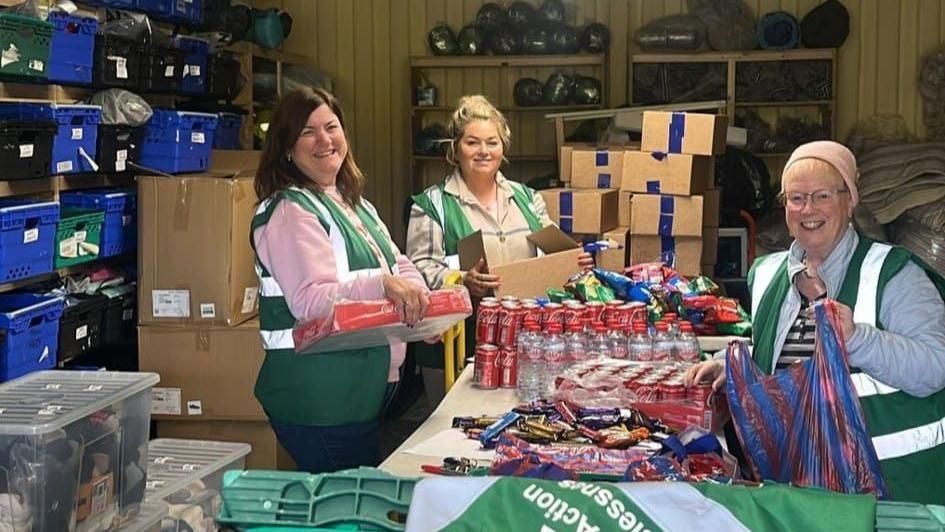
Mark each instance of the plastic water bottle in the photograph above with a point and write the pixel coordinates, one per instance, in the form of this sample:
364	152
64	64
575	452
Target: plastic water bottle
687	345
663	343
671	319
555	358
576	344
640	344
597	342
530	364
617	341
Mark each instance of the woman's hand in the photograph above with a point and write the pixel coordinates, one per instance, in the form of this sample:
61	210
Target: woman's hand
845	317
585	261
411	297
479	283
710	370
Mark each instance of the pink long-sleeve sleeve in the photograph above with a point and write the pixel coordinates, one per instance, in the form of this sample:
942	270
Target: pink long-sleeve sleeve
297	251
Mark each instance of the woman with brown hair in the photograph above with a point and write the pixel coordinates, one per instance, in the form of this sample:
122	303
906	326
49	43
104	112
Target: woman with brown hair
317	241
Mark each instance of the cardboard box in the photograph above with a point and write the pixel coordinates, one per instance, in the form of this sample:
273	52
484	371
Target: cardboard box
623	208
267	453
564	159
711	205
598	167
615	259
206	372
528	277
582	210
653	214
193	245
710	246
686	251
680	175
691	133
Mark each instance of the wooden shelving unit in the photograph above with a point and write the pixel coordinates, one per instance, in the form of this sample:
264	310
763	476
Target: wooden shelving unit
496	77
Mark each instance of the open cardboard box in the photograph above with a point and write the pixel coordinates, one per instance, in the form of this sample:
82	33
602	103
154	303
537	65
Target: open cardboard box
532	277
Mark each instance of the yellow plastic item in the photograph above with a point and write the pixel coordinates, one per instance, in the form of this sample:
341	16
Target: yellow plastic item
454	341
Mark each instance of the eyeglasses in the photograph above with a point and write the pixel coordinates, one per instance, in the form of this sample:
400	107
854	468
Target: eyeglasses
797	200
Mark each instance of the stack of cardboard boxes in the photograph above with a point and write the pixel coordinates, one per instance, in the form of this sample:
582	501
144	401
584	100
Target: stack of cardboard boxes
658	201
198	306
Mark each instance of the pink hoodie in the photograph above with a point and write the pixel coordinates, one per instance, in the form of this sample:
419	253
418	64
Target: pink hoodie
296	250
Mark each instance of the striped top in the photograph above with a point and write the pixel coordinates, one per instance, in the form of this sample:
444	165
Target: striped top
799	344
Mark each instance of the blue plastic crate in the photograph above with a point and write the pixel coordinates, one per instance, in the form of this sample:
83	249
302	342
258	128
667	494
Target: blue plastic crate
196	58
30	328
187	10
227	135
120	229
76	143
178	141
72	49
160	8
123	4
27	238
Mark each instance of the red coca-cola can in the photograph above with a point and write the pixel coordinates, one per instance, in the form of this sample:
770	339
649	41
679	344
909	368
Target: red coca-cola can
595	310
529	301
486	370
510	299
531	311
624	317
552	313
509	323
610	308
672	390
573	314
487	321
647	389
508	366
699	393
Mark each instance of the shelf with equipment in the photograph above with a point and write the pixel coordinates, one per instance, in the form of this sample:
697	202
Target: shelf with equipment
799	85
494	76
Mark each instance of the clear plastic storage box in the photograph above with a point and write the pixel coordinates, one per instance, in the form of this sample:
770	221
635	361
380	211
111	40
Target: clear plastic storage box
188	476
74	449
148	519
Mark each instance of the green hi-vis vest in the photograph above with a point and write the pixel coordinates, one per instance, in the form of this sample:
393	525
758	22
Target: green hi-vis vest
321	389
908	432
445	210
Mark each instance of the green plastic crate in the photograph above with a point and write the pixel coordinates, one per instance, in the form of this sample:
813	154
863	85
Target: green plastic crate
356	499
24	45
909	516
78	236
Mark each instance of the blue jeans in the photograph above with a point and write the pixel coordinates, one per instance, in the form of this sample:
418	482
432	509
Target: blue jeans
333	448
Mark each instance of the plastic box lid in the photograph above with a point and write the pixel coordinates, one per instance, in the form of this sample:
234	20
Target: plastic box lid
149	515
175	463
45	401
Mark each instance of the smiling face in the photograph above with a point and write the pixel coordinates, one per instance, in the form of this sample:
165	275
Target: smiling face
817	228
321	146
480	149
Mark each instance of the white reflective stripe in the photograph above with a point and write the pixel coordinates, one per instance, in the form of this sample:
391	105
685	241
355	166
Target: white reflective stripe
910	441
359	274
865	310
764	274
452	262
263	205
676	506
436	197
268	287
281	339
866	386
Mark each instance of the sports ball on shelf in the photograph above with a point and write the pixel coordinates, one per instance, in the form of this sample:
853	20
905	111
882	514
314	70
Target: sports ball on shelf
528	92
442	40
595	38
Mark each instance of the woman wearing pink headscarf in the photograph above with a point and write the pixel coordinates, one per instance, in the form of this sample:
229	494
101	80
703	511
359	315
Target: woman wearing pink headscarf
891	315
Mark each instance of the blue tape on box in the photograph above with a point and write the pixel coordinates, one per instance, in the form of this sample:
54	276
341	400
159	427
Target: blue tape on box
603	180
653	187
668	250
566	211
603	158
677	130
667	209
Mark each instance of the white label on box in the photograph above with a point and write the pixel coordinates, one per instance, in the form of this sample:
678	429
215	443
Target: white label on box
165	401
127	314
208	311
80	236
169	71
190	467
31	235
46	411
26	151
81	332
194	70
37	65
121	68
53	386
194	408
77	133
119	166
170	303
63	166
197	137
249	299
121	155
153	484
68	249
94	388
125	220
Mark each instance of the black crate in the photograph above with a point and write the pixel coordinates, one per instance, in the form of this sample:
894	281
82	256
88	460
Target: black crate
117	62
121	315
26	148
225	81
161	69
80	328
117	146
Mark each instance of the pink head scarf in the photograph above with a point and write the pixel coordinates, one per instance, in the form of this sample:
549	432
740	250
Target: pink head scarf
834	154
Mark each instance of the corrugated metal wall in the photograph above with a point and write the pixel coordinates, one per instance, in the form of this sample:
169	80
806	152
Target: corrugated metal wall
364	46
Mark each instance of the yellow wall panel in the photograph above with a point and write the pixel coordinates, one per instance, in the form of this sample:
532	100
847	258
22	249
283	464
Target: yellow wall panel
365	45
